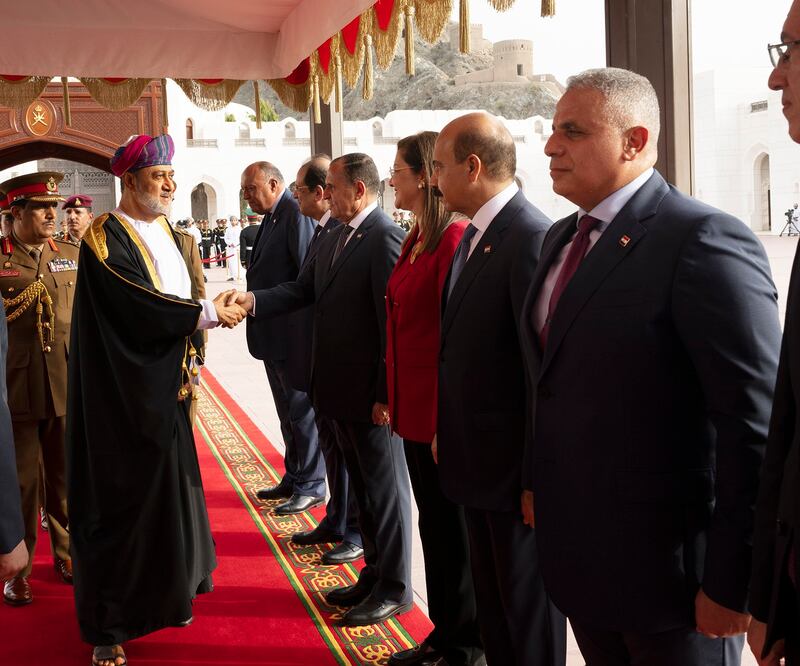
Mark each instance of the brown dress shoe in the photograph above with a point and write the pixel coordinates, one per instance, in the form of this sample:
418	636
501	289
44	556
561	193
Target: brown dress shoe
63	569
17	592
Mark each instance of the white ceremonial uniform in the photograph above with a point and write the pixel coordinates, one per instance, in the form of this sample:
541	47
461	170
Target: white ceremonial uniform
232	247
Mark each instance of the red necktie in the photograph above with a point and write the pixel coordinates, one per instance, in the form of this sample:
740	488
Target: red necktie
577	251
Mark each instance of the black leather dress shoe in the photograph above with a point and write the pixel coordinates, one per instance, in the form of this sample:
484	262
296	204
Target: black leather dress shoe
344	552
352	595
420	655
316	536
281	491
371	611
298	504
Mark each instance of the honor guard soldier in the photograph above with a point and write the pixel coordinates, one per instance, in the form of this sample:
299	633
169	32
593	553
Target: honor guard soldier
37	280
206	243
79	216
220	245
247	238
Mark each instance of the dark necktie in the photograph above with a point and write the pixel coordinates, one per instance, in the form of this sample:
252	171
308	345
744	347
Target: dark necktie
36	253
460	257
577	251
340	243
316	235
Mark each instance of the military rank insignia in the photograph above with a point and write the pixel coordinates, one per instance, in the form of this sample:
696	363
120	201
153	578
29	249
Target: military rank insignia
60	265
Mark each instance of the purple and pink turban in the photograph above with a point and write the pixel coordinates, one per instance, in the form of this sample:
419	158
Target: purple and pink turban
142	151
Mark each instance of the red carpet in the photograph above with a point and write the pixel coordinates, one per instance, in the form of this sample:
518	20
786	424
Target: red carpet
267	606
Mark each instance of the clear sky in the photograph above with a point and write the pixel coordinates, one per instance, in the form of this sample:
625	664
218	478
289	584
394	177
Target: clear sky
724	32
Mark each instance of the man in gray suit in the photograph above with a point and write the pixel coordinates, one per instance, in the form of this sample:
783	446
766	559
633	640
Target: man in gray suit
13	554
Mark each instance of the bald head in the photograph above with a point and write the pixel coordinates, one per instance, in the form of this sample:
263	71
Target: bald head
485	136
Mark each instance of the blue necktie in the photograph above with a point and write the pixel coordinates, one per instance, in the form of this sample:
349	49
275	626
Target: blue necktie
460	257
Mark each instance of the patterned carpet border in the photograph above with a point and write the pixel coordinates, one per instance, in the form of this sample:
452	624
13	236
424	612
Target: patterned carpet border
248	471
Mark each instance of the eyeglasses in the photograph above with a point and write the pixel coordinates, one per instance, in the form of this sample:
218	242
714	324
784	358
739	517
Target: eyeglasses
779	53
393	171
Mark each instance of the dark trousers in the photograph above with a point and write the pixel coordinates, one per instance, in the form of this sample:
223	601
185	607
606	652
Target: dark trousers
678	647
445	546
379	478
305	468
341	512
519	624
221	249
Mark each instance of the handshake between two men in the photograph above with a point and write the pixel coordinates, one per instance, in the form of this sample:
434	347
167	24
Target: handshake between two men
232	307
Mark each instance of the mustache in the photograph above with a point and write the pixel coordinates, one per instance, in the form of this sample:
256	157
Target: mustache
436	191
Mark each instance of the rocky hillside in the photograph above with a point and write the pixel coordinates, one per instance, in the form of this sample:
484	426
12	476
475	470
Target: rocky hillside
432	87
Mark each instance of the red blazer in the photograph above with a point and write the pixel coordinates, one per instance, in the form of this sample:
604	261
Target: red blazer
413	308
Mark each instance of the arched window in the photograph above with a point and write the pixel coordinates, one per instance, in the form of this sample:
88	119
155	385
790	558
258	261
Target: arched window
244	131
537	127
377	130
189	129
289	131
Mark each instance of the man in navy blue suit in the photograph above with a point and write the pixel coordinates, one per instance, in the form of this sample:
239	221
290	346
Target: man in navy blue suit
480	434
651	337
774	632
278	253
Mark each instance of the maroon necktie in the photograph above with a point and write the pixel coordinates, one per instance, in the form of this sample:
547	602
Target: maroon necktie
577	251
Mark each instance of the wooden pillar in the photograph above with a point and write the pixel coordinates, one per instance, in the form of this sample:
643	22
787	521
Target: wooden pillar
326	137
652	37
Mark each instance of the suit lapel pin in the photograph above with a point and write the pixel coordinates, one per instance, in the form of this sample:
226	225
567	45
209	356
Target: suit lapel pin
359	235
623	242
487	249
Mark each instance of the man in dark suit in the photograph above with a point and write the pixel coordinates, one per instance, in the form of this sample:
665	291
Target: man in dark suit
347	283
481	418
651	338
13	553
278	253
774	593
340	524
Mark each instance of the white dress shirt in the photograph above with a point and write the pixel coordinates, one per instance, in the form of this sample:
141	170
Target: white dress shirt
486	213
169	265
605	211
321	222
355	223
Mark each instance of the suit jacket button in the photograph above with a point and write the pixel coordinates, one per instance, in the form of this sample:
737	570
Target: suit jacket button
47	349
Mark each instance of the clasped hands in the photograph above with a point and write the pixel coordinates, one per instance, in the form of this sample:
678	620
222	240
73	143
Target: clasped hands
229	307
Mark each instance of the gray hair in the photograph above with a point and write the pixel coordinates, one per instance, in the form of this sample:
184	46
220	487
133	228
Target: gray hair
630	98
270	171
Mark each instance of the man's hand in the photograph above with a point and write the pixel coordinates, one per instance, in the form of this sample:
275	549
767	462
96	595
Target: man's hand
716	621
228	314
756	635
435	449
527	508
380	414
14	562
244	299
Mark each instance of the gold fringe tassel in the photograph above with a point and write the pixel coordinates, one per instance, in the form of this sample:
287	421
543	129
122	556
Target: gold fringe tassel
386	42
339	91
297	97
317	109
432	16
257	98
211	97
410	70
504	5
18	94
164	106
548	8
369	81
463	27
115	96
67	110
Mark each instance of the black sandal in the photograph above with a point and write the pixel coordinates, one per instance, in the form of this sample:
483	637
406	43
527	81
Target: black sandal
109	653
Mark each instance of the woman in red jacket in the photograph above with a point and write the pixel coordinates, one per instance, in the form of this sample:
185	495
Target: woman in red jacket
413	303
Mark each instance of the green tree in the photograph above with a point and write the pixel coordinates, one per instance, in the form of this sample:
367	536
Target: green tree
230	118
268	114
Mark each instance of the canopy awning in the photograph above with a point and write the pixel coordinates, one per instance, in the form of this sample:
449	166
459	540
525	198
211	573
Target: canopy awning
305	49
193	39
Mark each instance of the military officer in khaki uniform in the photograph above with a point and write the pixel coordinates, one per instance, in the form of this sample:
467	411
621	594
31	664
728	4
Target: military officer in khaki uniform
79	216
37	280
